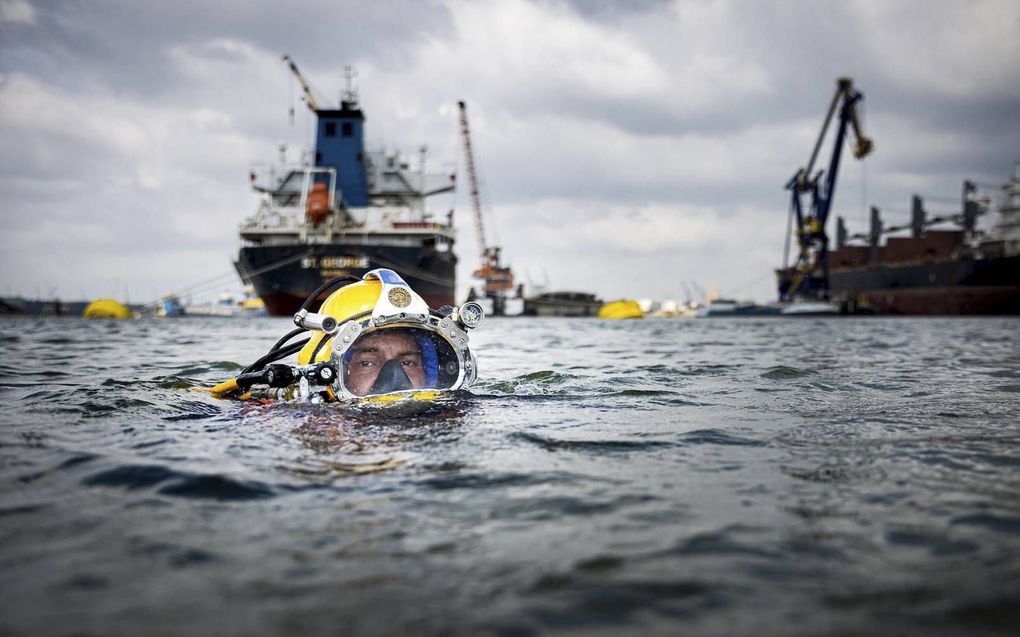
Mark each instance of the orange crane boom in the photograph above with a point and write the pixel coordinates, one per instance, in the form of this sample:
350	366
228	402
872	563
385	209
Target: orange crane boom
498	279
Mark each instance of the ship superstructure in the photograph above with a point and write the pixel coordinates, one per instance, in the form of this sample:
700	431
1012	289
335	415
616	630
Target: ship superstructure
345	210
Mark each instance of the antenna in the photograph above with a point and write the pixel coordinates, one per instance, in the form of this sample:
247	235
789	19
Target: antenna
350	94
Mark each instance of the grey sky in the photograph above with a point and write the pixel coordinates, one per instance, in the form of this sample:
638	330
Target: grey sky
625	147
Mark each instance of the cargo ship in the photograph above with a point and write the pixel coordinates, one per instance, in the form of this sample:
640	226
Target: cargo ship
954	270
345	211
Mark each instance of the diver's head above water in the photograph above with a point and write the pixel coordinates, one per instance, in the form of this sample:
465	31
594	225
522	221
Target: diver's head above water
385	361
372	337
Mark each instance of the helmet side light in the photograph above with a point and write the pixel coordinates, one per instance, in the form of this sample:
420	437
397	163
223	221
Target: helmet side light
470	315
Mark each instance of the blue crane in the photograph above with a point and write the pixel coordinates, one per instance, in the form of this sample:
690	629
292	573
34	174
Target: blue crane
809	276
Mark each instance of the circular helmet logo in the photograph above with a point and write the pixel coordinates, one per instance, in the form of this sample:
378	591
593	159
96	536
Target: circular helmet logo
399	297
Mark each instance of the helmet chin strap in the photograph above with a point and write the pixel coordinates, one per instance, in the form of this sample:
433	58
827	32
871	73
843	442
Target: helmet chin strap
392	377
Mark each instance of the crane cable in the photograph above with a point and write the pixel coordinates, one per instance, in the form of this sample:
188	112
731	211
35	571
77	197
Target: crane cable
864	170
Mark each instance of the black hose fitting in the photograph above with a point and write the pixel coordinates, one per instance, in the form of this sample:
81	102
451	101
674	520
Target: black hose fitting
278	375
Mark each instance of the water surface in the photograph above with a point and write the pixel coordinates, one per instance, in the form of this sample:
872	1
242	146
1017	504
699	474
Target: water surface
657	477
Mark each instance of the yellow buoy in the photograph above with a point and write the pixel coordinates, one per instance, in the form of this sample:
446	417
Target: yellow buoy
107	308
625	309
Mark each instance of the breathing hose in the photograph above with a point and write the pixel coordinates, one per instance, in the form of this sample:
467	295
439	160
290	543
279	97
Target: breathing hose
327	286
291	334
236	383
279	349
275	355
318	346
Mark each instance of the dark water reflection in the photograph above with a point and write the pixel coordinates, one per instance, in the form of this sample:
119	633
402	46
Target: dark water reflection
720	477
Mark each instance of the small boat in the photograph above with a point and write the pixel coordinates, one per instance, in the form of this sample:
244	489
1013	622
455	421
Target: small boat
728	307
562	304
811	308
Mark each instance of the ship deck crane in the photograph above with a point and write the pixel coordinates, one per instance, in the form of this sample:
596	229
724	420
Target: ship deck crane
499	279
809	275
310	100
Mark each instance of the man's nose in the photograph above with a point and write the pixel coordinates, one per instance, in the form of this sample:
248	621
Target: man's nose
392	377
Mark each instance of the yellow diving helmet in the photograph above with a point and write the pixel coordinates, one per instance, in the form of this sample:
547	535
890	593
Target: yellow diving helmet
383	340
374	339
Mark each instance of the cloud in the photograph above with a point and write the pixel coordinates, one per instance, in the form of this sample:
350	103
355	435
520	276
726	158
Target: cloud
623	146
957	49
100	180
17	12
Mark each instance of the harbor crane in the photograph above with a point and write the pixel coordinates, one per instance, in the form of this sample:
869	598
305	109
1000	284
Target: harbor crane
499	279
809	275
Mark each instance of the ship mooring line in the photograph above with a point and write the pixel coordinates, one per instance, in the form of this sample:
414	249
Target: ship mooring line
278	264
221	277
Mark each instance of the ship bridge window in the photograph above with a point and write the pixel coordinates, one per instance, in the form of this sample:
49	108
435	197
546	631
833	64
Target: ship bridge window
347	131
331	129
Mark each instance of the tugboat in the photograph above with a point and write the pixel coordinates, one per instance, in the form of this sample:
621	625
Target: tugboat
348	212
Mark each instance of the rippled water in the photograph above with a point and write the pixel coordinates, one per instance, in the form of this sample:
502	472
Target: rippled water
716	477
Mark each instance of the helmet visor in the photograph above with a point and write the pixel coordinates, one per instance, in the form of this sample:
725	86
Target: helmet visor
391	359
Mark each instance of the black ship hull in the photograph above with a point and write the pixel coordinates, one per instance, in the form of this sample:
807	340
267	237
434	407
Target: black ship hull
284	275
949	287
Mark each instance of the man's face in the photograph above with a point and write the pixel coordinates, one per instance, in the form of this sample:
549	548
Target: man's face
371	353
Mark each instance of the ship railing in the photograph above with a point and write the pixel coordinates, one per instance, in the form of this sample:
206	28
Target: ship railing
272	218
274	177
292	221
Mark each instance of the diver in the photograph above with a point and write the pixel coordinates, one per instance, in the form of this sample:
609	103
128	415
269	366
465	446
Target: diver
372	340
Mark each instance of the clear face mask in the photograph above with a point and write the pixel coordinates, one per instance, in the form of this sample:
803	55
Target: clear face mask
396	359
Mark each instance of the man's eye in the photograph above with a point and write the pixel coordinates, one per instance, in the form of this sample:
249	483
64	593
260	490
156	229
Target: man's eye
364	363
409	363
